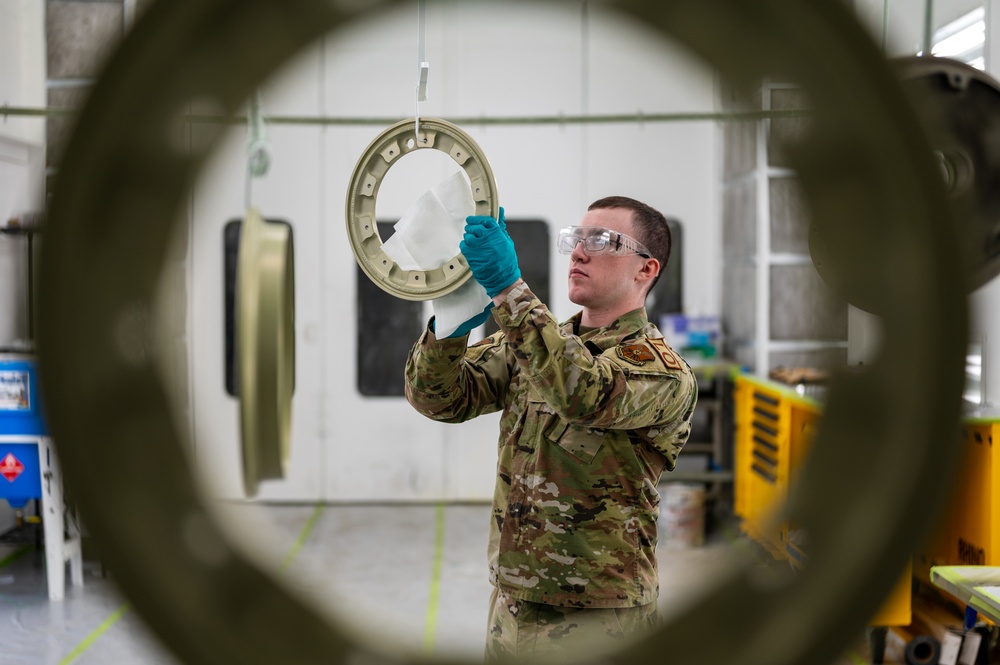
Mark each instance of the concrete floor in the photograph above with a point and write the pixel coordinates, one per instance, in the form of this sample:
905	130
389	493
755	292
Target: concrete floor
378	558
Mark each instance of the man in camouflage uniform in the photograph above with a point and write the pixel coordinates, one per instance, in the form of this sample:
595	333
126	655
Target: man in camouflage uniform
594	409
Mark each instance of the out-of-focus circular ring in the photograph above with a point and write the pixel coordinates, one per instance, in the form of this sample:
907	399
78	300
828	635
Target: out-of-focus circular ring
864	495
385	150
265	348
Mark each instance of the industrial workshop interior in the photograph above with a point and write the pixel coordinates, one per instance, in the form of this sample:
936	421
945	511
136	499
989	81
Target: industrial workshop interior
331	332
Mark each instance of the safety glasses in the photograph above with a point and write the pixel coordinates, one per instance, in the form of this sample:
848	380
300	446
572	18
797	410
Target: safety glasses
599	240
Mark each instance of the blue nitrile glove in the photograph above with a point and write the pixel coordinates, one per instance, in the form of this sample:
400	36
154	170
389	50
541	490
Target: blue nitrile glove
466	327
490	253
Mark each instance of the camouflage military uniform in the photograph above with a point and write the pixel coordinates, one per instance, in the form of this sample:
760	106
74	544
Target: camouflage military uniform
589	423
536	632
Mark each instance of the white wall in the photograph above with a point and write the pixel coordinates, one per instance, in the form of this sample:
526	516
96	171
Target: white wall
528	60
22	74
22	83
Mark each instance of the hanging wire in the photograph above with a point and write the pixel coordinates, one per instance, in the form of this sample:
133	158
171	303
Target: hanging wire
258	145
928	28
885	26
422	66
584	166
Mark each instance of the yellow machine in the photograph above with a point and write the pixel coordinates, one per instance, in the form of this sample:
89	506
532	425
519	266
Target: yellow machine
968	533
774	429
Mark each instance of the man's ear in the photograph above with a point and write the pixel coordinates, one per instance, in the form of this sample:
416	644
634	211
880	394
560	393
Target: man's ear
650	269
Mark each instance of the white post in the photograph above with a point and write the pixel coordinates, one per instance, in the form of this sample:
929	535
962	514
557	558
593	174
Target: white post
762	351
58	549
52	521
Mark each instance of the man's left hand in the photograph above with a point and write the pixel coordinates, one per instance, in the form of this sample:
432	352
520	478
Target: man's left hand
490	253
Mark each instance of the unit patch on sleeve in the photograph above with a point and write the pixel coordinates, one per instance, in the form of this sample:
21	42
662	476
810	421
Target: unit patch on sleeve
637	354
667	354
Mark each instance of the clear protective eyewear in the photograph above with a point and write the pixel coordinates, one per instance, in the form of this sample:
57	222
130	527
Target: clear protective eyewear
599	240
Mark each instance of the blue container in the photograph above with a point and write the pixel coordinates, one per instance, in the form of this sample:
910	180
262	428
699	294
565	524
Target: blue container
20	416
20	399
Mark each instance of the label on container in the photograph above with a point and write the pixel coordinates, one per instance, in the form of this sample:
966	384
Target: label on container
14	394
11	467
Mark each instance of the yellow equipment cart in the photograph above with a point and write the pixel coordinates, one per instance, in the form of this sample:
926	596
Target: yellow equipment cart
774	427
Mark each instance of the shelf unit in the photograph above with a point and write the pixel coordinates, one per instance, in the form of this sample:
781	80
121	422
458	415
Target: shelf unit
711	439
776	309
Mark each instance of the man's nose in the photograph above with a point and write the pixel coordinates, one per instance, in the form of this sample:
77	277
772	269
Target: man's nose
578	254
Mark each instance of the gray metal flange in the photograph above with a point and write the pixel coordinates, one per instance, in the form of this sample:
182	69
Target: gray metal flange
865	495
959	107
385	150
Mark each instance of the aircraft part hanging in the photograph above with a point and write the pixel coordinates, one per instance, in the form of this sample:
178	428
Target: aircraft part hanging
265	347
385	150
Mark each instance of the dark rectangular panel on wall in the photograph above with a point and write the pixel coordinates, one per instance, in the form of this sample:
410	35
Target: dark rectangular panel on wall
387	327
667	296
231	248
533	246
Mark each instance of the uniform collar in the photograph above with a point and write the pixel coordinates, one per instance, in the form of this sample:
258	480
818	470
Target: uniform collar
627	326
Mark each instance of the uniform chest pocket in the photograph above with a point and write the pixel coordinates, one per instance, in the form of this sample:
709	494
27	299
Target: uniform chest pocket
583	443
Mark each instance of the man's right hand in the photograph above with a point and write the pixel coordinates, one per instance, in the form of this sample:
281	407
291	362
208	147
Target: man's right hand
490	253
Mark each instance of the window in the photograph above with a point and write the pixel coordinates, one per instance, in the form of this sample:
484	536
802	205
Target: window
387	328
964	39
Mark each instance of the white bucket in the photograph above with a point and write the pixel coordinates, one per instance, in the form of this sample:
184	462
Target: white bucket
682	515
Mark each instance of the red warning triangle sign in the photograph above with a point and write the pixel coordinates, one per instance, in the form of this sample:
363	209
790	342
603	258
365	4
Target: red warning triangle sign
11	467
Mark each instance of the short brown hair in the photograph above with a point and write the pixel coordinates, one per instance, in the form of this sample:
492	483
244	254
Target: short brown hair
651	227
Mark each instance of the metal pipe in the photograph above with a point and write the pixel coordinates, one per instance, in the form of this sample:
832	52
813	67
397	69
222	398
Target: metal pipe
638	117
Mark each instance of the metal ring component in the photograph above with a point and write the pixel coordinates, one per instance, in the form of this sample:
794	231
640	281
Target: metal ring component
387	149
265	347
864	496
959	107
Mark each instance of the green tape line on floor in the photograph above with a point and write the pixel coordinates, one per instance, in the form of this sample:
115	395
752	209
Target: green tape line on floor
120	612
303	537
14	556
100	630
856	658
433	597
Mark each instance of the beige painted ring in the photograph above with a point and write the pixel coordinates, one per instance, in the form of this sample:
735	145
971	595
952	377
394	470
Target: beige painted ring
386	150
265	348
